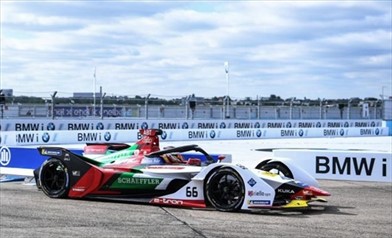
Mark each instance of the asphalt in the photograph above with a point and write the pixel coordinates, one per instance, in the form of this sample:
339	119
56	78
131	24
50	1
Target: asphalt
355	209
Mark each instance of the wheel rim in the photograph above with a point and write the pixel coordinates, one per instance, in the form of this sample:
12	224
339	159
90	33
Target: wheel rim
54	177
226	191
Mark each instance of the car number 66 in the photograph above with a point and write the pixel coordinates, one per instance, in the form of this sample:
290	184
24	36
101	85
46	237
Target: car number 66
191	192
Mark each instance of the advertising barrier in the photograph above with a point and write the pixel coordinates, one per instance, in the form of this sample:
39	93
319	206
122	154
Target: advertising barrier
136	124
342	164
19	138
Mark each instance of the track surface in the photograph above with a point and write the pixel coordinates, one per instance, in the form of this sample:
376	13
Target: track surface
356	209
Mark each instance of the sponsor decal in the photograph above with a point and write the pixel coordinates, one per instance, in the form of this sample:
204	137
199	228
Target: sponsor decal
377	131
167	201
259	202
288	133
28	126
242	166
301	132
346	124
51	126
288	125
99	126
257	125
90	136
275	125
46	137
212	134
80	126
365	132
164	135
144	126
252	182
67	157
244	133
348	166
5	156
242	125
107	136
126	126
341	132
222	125
259	133
166	167
169	126
185	125
51	152
139	181
78	189
318	124
305	124
258	194
281	190
373	124
207	125
76	173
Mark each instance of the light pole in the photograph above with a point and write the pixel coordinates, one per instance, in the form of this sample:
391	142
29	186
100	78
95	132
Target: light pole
102	96
146	105
53	96
227	111
94	85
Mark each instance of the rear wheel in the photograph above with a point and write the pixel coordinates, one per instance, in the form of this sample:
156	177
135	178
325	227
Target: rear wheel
225	190
54	178
278	168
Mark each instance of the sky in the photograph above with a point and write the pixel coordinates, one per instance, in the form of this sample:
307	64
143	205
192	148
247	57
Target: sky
170	49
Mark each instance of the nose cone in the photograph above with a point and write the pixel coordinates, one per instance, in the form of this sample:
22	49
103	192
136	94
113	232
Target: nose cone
316	191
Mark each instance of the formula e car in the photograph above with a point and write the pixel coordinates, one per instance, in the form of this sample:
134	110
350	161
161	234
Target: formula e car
164	177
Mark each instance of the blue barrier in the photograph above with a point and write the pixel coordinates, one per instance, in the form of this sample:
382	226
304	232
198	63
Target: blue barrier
389	125
22	160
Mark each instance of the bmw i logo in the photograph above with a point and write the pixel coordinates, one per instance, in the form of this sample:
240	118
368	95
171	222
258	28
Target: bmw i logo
342	132
377	131
301	132
100	126
45	137
164	135
373	124
50	126
144	126
318	124
346	124
107	136
288	125
257	125
212	134
222	125
185	125
258	133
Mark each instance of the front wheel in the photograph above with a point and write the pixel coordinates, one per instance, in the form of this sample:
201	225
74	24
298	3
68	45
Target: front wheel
225	190
54	178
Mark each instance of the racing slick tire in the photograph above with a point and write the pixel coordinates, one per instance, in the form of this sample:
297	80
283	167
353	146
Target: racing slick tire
225	190
279	167
54	178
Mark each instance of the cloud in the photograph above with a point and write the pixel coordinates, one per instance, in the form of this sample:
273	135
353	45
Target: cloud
292	49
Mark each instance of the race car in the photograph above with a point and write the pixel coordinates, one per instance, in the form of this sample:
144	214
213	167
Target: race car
165	177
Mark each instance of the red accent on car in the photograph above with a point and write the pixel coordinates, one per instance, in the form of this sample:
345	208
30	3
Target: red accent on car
95	149
89	182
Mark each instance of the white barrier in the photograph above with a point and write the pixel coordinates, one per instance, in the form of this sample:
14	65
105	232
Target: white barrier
342	164
135	124
17	138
